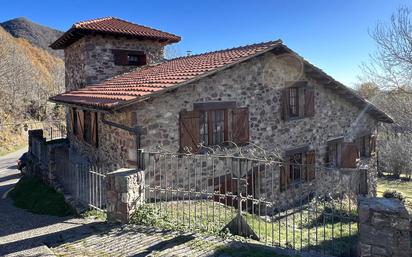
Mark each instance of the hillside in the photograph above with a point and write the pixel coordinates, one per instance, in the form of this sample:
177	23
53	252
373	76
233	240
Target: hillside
38	35
28	76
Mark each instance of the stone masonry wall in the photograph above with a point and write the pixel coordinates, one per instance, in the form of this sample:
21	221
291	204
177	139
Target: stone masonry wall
90	59
383	228
256	84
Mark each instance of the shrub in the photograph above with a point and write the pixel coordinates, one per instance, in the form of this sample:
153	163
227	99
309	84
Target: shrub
393	194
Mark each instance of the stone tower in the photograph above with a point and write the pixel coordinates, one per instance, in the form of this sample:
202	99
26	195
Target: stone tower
99	49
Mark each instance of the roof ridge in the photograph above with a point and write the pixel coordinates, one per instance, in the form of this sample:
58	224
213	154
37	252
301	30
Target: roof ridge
227	49
92	21
147	27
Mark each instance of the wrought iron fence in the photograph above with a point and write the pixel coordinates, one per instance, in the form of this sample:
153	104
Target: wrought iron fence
248	196
84	182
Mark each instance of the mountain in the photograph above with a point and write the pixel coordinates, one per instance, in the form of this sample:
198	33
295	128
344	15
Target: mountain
39	35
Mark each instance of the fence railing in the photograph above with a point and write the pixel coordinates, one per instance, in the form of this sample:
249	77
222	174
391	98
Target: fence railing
84	182
247	196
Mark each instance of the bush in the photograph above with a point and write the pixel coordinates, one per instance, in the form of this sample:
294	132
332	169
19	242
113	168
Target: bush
145	215
32	194
394	194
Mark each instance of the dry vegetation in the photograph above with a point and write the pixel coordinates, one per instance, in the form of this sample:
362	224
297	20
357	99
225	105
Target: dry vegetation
28	76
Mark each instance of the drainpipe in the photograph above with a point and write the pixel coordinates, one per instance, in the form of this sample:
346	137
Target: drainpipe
137	131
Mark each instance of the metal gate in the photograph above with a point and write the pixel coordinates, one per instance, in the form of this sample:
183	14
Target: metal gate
243	195
85	183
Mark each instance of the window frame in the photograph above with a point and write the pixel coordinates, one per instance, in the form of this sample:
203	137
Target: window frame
296	99
337	145
207	110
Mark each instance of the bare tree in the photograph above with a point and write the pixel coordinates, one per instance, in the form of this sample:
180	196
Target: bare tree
391	65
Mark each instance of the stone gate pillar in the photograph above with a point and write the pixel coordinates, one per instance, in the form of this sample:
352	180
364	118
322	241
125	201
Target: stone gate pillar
125	192
383	228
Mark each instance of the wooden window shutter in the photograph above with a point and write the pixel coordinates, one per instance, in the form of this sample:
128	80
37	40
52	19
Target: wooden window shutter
94	139
309	101
72	117
350	154
120	57
80	124
142	59
285	104
284	176
189	131
310	165
240	126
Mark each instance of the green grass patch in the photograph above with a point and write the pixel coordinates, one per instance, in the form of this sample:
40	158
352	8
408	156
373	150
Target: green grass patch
400	185
327	228
94	214
32	194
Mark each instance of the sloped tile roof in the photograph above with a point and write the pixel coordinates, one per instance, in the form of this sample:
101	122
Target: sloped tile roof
150	79
111	25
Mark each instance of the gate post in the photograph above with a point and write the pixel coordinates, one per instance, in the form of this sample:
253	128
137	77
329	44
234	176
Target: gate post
125	192
383	228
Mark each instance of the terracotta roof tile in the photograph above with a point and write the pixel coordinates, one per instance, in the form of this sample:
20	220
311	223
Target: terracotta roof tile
111	25
144	81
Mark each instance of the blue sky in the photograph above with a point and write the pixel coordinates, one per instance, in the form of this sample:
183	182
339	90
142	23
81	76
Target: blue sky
333	35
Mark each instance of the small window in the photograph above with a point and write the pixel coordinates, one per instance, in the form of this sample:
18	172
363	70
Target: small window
363	144
295	167
334	158
212	127
299	167
136	60
293	102
129	58
298	101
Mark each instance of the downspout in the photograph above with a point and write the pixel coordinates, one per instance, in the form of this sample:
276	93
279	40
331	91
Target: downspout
137	131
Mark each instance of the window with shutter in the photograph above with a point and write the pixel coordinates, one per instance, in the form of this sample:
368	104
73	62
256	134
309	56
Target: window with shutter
334	153
298	101
299	167
129	57
220	122
350	155
80	124
189	131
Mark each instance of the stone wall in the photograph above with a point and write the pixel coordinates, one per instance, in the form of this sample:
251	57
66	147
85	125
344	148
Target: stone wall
90	59
124	193
256	84
384	228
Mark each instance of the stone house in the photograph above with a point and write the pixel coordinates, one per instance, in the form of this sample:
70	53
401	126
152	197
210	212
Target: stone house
122	95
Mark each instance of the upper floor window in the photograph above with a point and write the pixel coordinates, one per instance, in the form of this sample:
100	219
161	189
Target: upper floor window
293	102
129	57
366	145
213	123
298	100
342	154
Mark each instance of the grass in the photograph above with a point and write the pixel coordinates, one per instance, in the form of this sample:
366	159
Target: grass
314	229
32	194
400	185
94	214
